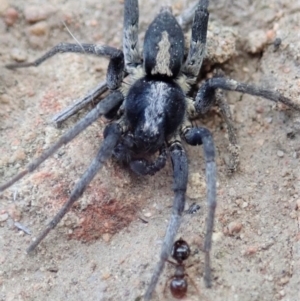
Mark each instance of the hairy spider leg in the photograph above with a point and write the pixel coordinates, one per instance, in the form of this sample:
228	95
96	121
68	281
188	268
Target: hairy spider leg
198	136
112	135
196	53
204	98
79	104
210	94
180	176
111	101
115	69
130	35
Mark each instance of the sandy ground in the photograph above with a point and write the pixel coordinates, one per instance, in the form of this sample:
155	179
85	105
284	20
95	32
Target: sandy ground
102	250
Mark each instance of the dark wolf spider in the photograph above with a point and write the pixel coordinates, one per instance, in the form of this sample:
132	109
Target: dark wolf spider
152	112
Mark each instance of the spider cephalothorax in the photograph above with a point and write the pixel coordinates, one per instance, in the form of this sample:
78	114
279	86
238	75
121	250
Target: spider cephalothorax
151	111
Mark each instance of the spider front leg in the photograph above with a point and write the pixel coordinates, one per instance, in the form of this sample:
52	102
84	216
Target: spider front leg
115	69
198	43
198	136
180	176
130	35
112	135
109	103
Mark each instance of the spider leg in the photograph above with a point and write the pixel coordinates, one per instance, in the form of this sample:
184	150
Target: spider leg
144	167
198	42
180	175
130	35
106	105
185	19
80	103
233	146
114	75
203	98
198	136
112	135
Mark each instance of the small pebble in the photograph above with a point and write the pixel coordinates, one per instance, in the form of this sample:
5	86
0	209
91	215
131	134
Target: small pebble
250	251
280	154
284	280
18	55
39	29
256	41
234	227
3	217
271	34
282	293
106	275
244	205
216	236
148	214
106	237
11	16
269	278
34	14
4	99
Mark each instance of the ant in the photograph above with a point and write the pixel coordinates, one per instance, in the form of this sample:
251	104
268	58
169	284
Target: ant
178	284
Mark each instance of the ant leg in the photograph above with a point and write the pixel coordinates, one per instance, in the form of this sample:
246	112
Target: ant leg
106	105
198	136
193	282
112	135
180	176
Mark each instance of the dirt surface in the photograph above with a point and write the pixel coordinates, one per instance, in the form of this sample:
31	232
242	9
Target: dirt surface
102	250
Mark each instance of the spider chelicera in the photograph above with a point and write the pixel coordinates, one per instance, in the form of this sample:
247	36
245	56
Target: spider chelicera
151	107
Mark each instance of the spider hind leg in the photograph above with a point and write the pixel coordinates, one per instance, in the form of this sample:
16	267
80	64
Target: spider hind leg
198	136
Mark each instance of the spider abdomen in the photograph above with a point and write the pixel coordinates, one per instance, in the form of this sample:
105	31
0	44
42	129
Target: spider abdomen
154	109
